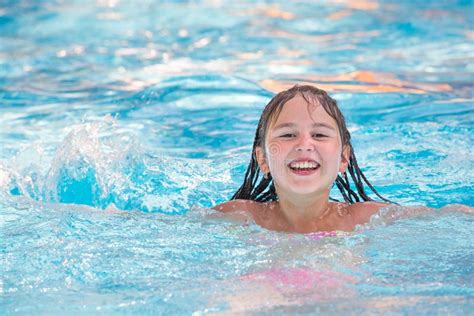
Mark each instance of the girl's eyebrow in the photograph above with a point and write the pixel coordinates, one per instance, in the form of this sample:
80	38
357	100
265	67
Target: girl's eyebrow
283	125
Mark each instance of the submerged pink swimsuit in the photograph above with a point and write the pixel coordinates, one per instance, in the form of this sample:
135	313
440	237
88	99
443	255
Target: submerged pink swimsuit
319	285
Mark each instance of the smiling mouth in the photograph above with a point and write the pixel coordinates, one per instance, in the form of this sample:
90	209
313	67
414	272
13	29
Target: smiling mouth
306	167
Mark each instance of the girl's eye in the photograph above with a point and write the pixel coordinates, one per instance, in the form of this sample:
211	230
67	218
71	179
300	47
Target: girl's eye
319	135
287	135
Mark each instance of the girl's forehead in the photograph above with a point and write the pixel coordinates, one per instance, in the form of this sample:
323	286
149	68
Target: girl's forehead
299	108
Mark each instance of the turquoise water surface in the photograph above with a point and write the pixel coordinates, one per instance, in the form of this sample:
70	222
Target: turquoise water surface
122	122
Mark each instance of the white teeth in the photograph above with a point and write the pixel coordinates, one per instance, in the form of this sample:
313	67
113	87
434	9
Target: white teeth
304	165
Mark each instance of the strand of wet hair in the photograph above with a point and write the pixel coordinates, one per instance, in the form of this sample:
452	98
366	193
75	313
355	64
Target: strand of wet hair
361	175
345	188
245	190
356	176
375	191
260	188
340	186
359	185
246	187
265	197
348	186
269	195
357	171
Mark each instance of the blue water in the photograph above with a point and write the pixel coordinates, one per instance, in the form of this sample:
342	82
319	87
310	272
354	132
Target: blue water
121	123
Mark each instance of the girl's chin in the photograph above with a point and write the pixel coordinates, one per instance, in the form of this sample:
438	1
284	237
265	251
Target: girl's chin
304	192
302	189
304	186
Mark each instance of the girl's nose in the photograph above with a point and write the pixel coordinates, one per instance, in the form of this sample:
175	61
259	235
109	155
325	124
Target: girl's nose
305	144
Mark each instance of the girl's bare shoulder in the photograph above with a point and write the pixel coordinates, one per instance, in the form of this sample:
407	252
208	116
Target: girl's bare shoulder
239	205
362	211
260	212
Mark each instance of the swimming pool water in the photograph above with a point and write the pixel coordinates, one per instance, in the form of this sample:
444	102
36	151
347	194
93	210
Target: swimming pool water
150	109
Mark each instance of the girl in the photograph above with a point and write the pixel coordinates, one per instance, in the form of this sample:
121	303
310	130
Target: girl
302	147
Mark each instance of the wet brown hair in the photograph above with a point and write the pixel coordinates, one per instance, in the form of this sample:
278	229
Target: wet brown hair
262	189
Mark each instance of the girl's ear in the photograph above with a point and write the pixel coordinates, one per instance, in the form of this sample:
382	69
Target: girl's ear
261	160
345	157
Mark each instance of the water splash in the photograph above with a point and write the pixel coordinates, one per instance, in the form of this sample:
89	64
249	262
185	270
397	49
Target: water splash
99	165
95	165
89	166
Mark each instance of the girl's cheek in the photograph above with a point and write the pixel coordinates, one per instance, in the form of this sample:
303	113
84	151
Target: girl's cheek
333	150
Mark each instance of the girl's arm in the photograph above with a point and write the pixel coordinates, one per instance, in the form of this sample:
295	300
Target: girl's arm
237	205
246	206
458	208
228	206
391	212
237	210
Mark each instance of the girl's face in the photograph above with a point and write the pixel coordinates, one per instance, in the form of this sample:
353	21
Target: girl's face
303	150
